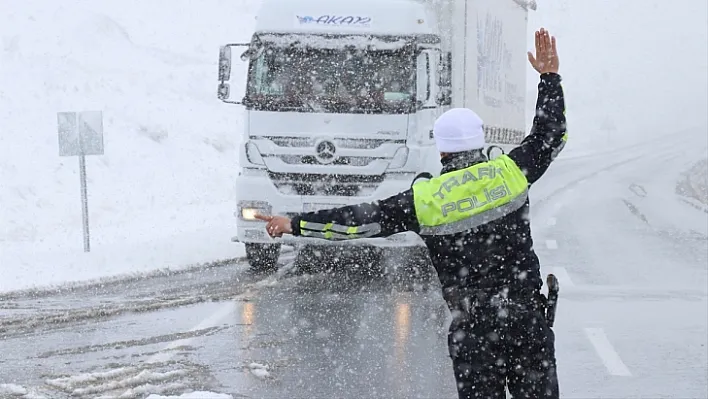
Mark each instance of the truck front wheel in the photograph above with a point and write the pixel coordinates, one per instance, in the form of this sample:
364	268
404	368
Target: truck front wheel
263	257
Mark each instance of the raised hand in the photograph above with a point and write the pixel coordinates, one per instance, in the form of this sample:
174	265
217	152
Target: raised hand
546	58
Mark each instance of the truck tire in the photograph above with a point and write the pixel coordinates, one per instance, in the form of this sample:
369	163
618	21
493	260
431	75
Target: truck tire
263	257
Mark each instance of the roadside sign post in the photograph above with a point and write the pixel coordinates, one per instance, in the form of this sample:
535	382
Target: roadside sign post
81	134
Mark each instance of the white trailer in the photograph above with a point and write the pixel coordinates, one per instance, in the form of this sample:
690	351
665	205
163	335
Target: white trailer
340	98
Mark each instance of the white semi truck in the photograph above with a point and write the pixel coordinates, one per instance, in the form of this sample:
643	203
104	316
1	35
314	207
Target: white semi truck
340	99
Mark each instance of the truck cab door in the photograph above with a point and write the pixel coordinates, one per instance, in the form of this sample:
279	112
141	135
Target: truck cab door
233	78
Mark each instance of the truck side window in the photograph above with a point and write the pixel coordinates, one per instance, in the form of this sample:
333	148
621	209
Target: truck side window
261	74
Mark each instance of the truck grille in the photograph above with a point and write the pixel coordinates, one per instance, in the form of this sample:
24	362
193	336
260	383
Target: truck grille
310	160
330	185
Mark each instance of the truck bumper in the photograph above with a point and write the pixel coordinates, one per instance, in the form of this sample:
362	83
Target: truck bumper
257	194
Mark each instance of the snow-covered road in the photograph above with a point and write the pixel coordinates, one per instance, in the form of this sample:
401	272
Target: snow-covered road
629	249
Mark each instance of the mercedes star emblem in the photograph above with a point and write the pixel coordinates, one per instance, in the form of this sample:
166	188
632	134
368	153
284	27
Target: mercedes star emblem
326	152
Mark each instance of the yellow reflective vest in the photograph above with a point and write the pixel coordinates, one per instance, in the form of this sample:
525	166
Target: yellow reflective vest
463	199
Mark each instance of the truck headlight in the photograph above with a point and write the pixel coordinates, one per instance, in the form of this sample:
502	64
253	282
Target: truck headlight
247	210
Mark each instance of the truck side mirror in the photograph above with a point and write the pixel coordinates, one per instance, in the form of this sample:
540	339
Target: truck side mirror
224	63
223	91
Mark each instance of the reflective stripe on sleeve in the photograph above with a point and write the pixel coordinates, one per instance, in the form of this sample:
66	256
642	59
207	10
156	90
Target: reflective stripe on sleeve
337	231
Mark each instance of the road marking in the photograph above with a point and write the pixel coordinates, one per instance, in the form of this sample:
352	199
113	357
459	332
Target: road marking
552	244
551	221
563	276
215	319
607	353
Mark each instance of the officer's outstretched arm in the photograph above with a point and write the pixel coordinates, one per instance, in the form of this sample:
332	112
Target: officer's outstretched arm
383	218
548	133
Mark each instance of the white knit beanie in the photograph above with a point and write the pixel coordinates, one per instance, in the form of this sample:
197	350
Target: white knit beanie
459	130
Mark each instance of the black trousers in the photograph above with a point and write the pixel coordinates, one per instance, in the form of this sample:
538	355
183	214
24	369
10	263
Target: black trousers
506	344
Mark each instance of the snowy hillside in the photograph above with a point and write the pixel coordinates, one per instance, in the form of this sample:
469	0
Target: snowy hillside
170	155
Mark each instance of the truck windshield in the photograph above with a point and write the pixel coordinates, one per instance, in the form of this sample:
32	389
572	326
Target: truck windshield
332	80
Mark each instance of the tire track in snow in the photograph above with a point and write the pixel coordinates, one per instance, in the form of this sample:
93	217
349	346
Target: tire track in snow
212	288
209	323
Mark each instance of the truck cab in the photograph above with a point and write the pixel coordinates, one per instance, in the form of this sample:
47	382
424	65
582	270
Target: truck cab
339	101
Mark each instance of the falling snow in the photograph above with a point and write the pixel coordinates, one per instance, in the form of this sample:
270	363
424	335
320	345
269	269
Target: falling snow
336	118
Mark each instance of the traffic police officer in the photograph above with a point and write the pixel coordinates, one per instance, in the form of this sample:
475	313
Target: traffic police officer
474	219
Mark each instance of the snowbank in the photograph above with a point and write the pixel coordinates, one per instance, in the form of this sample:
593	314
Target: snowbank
12	390
162	195
164	241
259	370
131	382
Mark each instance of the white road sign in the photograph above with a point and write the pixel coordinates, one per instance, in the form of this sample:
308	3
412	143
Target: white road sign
80	133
